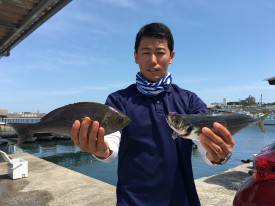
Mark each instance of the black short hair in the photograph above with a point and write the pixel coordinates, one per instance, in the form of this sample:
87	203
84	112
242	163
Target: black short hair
157	30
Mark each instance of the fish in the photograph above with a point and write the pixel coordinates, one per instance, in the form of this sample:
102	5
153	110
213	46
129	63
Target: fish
190	126
60	120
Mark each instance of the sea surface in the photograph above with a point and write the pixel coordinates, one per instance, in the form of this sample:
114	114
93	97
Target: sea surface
249	141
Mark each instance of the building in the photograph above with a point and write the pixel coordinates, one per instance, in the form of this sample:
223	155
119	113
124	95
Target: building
3	113
250	100
224	102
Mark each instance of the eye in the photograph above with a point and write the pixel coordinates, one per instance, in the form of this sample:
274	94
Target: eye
160	53
145	53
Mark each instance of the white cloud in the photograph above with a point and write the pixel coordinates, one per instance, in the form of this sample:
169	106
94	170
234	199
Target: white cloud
53	60
192	81
82	21
119	3
96	88
241	88
62	92
107	87
70	92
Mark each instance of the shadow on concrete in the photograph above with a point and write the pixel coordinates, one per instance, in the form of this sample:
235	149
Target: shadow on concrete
230	180
11	194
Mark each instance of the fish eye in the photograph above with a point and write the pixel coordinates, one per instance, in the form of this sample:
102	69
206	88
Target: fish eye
120	120
189	129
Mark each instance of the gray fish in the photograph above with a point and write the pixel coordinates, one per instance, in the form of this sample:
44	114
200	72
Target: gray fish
190	126
60	120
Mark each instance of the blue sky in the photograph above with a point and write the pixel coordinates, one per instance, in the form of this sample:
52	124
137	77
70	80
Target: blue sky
224	49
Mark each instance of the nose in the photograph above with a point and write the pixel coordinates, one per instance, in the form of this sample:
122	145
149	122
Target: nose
153	59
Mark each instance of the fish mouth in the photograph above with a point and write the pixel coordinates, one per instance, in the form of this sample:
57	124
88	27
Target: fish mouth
174	127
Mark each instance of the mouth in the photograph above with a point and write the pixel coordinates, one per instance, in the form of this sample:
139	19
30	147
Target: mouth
153	69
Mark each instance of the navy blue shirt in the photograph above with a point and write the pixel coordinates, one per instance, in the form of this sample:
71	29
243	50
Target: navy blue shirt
153	168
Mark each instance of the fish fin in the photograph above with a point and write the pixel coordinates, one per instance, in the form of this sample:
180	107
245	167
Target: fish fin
87	118
260	123
22	131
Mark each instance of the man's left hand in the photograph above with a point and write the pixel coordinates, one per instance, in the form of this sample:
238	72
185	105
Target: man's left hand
218	142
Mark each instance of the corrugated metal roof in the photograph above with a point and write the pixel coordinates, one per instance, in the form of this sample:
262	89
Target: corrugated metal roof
19	18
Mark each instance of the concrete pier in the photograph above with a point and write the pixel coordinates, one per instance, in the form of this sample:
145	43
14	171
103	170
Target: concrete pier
220	189
50	184
53	185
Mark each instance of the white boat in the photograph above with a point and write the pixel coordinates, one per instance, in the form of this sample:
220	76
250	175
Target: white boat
270	119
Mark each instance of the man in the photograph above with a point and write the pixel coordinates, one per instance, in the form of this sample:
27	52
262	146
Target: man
153	168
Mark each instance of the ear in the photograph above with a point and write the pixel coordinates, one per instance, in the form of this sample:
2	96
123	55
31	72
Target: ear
172	56
136	58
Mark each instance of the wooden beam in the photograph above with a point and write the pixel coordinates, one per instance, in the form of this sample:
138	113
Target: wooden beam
4	24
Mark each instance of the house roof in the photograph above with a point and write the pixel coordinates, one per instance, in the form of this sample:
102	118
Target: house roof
19	18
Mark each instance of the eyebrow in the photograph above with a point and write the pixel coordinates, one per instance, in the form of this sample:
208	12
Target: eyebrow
145	48
158	49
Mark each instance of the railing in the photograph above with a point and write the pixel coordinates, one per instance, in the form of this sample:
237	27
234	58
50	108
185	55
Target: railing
7	131
20	120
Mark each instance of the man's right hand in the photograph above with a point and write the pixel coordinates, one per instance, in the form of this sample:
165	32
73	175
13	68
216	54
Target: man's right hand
90	140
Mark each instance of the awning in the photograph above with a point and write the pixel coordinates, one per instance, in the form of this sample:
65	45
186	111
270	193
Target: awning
19	18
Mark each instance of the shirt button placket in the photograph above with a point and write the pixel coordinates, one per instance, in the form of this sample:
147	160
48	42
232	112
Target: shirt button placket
159	107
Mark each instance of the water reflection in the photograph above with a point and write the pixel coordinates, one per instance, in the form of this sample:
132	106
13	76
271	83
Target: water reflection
64	153
70	160
249	141
45	148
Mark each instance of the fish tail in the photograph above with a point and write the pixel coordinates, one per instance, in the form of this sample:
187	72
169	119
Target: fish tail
23	132
260	122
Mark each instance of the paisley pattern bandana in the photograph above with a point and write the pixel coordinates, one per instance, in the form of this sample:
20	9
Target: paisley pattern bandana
152	88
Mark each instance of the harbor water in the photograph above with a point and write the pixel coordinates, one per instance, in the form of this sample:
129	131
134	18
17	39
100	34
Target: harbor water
249	141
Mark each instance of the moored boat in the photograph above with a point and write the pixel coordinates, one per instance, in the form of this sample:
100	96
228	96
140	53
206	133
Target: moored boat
270	119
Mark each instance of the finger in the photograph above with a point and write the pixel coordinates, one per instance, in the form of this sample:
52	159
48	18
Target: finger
100	141
83	134
75	132
102	146
93	136
212	148
212	137
224	133
210	154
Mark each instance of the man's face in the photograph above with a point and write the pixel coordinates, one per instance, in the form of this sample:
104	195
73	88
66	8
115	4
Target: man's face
153	57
